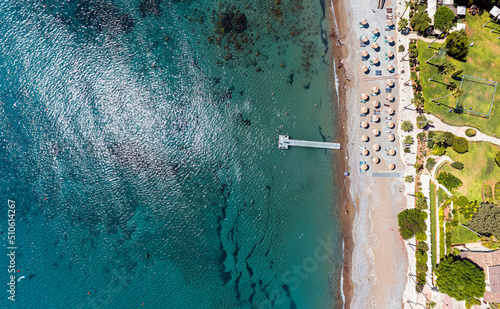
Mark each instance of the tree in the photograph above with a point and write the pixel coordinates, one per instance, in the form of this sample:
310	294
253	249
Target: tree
497	159
460	279
421	203
429	165
439	138
438	150
401	48
450	137
457	165
420	22
444	69
408	139
422	122
469	210
460	145
449	180
439	54
444	18
406	126
402	24
409	178
411	222
422	246
486	220
458	44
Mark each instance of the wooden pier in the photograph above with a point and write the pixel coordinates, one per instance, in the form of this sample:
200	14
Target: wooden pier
285	142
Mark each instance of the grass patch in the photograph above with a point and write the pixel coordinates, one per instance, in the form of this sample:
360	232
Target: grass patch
476	171
461	235
442	196
441	233
497	191
477	95
482	61
487	192
433	225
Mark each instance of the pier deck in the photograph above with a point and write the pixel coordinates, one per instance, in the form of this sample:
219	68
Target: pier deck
285	142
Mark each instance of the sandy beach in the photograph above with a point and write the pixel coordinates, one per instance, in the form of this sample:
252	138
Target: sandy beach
375	258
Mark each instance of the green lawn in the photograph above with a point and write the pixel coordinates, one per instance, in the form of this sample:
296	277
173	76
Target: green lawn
479	167
461	235
482	61
442	243
442	196
433	225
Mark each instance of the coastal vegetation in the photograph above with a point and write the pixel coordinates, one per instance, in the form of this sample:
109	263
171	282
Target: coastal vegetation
449	180
460	279
420	22
486	221
444	19
411	222
433	225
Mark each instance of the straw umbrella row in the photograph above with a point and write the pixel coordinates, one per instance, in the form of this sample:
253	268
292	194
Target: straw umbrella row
376	160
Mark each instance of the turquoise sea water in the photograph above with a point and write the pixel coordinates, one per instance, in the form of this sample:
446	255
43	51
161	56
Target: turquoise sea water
138	140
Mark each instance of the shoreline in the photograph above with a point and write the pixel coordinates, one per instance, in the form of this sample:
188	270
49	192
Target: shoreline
337	30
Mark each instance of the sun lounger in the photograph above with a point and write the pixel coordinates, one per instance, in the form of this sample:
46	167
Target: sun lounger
376	112
378	72
362	115
388	90
362	101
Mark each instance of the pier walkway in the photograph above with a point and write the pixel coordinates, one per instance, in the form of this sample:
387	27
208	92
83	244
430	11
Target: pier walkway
285	142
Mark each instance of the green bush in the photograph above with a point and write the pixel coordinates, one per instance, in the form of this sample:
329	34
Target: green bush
422	246
460	47
460	145
497	191
411	222
401	48
470	132
461	201
457	165
430	144
486	220
429	165
488	192
421	203
449	138
409	178
497	159
449	180
438	150
459	278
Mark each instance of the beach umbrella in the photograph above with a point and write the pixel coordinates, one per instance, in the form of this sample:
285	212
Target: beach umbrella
364	138
364	167
364	68
346	173
375	31
391	137
390	97
390	83
364	53
375	60
375	118
375	89
390	111
364	124
375	45
376	147
390	23
376	132
364	39
364	22
390	67
391	152
390	39
365	152
390	54
391	166
364	96
376	104
391	125
375	160
364	110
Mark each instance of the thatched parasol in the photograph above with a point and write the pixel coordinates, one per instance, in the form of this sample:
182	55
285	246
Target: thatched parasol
363	22
376	132
365	152
390	39
390	23
375	45
376	104
390	83
391	137
390	111
364	53
390	67
364	39
375	160
364	167
364	68
391	125
364	96
391	166
375	89
364	138
376	147
390	54
375	118
364	124
390	97
375	60
364	110
391	152
375	31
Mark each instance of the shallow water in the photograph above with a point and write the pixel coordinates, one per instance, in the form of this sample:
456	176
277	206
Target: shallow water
143	159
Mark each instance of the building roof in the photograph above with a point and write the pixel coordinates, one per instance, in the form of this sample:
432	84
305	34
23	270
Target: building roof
490	263
460	10
460	26
494	275
445	2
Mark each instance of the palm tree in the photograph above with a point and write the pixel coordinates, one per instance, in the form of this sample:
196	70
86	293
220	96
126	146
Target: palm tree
445	68
407	5
439	54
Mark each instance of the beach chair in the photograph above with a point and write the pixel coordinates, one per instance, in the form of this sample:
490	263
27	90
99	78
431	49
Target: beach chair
362	101
378	72
388	90
360	164
375	38
376	112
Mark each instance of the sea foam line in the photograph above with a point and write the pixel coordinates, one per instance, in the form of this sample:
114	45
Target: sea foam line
334	67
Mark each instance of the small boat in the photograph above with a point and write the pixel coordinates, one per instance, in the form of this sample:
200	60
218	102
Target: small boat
22	277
